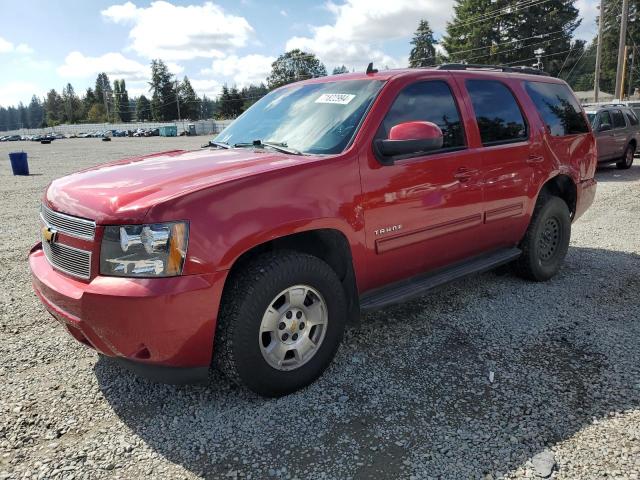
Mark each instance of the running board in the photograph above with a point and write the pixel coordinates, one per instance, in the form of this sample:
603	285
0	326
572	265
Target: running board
405	290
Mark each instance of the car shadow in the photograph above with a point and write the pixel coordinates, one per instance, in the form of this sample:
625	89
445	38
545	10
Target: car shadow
474	378
611	173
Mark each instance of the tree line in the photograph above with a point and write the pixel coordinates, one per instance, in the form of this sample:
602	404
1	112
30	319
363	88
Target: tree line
481	31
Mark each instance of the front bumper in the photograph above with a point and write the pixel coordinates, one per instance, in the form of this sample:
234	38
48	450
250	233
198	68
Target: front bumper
586	193
150	325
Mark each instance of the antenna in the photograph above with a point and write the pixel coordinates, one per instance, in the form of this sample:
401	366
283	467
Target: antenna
370	69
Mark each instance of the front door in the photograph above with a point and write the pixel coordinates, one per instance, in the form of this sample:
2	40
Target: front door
423	211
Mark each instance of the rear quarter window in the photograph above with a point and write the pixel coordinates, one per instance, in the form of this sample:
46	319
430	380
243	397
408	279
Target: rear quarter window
558	108
631	116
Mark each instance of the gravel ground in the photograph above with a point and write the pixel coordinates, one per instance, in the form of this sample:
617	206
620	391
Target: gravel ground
490	377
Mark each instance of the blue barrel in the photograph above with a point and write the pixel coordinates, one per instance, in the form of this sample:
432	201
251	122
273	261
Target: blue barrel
19	163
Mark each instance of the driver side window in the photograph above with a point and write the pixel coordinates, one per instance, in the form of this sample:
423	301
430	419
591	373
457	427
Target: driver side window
605	119
430	101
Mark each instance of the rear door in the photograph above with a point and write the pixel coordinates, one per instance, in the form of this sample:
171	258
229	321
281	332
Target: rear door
604	138
510	159
620	133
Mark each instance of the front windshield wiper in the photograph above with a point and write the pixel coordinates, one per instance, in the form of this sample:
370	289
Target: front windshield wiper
217	144
278	146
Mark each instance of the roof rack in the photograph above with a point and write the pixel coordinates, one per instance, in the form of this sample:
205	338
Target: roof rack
501	68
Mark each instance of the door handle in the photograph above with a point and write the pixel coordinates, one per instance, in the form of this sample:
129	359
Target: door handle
533	159
464	174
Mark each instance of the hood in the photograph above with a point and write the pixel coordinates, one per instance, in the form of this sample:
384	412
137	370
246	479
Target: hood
123	191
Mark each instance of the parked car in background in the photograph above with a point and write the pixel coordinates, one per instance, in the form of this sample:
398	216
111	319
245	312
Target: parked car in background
617	131
326	198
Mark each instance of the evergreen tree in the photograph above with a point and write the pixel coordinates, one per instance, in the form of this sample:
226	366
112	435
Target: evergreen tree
53	108
143	109
72	105
104	93
189	101
340	70
208	107
499	32
164	104
423	53
294	66
35	113
252	94
88	101
610	38
121	101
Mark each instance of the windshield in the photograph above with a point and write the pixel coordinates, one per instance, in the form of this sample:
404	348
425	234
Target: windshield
318	118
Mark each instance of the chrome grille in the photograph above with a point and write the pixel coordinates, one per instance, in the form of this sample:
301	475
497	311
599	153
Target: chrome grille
73	226
70	260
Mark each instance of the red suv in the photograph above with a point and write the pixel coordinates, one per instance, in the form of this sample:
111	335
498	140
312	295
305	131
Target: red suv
326	198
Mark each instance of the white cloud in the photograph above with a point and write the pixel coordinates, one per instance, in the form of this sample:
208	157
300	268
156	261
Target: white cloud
172	32
284	13
589	11
77	65
7	47
210	88
12	93
361	27
242	70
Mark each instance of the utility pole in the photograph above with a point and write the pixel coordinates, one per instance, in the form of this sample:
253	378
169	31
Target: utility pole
178	99
633	66
621	45
596	82
624	71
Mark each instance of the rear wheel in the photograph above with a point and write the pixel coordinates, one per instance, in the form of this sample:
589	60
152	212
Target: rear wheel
281	322
546	242
627	160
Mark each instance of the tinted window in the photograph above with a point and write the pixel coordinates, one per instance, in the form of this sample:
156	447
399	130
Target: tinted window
559	109
605	119
431	102
618	119
497	112
631	117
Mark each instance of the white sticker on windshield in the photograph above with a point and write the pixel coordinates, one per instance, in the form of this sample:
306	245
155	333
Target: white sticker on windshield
338	98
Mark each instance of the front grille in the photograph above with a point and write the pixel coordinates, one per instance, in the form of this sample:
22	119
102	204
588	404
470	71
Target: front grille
74	226
70	260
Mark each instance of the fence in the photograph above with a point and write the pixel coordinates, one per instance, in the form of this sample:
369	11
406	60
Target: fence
203	127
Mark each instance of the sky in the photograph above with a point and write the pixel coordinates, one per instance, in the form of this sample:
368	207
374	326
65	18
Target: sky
47	45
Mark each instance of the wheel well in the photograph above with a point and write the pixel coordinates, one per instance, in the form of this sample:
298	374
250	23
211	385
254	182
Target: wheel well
329	245
563	186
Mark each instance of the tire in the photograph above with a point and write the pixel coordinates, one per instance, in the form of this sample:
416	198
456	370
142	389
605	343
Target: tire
256	300
546	242
627	160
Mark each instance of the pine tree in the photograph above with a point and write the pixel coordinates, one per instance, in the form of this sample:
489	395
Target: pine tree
340	70
53	108
164	105
143	109
499	32
294	66
72	105
35	113
423	53
189	101
104	93
122	109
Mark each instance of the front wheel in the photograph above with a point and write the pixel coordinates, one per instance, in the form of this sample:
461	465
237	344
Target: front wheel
546	242
281	322
627	160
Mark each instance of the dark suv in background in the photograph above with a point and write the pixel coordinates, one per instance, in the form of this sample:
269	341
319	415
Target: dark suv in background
617	131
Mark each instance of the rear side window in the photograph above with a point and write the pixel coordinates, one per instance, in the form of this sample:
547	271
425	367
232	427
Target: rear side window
633	120
499	117
618	119
559	109
431	102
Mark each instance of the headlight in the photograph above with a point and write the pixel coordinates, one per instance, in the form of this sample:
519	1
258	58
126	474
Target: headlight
156	250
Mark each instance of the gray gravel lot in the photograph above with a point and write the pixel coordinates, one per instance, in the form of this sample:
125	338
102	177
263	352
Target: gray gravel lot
408	396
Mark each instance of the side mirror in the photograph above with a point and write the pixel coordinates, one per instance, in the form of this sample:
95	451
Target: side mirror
604	127
409	138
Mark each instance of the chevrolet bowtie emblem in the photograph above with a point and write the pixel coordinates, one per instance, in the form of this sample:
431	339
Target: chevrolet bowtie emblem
49	235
